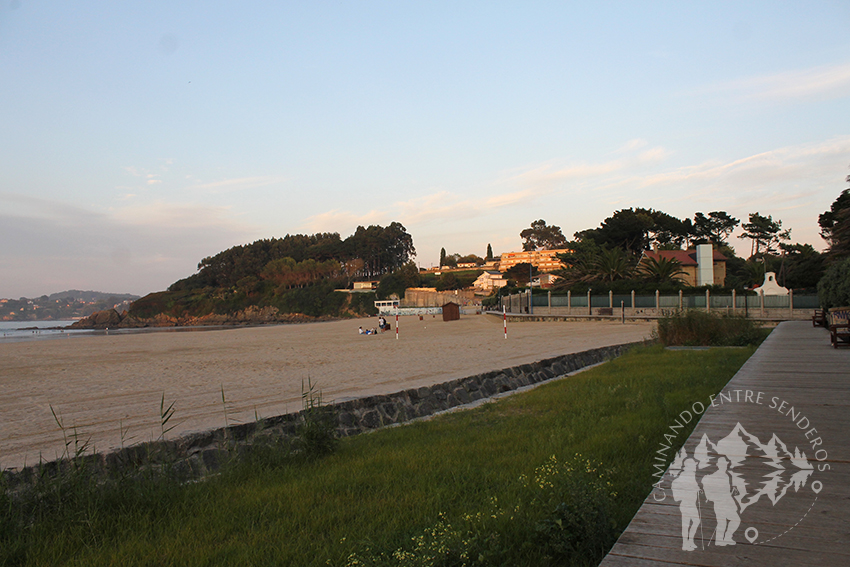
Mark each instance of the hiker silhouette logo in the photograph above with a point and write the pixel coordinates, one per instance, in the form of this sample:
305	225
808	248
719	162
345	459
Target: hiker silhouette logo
725	477
740	486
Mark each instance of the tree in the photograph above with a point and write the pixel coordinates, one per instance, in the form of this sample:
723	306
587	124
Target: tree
626	229
542	237
765	233
470	259
714	228
450	261
489	257
801	266
579	263
661	269
834	286
835	225
381	249
613	265
520	272
397	282
442	257
667	231
636	230
447	282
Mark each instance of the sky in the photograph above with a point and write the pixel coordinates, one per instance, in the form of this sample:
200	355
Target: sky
137	138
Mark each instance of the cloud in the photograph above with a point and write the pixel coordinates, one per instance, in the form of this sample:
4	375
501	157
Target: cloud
343	222
822	82
240	184
549	174
133	249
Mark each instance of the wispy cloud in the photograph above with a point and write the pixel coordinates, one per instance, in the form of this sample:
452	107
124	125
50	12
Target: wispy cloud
340	221
239	184
133	248
822	82
551	173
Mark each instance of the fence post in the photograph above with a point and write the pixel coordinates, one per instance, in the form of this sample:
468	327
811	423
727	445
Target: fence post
791	303
734	303
633	302
610	299
550	301
589	310
681	304
761	302
707	301
569	302
658	303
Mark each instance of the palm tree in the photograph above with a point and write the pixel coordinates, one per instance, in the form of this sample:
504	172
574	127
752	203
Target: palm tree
612	265
661	269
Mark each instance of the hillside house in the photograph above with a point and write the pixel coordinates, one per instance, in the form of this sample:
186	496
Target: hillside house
490	280
691	265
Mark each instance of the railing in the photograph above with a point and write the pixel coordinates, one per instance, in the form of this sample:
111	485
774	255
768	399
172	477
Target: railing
632	305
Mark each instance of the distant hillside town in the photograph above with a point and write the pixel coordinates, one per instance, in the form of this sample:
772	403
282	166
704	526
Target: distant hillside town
65	305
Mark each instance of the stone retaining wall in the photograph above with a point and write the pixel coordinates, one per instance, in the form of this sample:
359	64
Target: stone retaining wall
199	454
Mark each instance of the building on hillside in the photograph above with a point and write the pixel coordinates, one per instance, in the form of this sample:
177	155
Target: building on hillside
490	280
703	266
365	286
467	265
543	260
546	280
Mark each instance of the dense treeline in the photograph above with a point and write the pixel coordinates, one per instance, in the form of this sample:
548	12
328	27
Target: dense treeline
368	253
295	274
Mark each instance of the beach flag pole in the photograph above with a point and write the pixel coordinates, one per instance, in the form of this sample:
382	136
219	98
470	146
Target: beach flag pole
505	318
396	326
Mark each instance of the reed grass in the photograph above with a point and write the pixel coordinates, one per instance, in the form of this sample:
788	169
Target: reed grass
462	484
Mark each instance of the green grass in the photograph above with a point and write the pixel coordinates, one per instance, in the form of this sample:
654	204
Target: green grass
433	480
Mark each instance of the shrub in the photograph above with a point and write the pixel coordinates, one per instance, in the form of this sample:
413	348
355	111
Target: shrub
699	328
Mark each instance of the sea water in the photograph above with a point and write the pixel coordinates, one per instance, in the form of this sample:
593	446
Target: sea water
33	330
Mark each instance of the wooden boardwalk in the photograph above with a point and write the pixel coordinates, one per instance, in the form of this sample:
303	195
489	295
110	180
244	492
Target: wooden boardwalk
796	382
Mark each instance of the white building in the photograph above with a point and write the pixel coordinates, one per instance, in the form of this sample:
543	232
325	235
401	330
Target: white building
490	280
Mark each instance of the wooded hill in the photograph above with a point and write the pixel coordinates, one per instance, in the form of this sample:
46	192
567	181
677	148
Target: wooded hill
295	274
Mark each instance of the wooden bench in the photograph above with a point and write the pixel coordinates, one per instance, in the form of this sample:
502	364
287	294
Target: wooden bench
840	335
819	319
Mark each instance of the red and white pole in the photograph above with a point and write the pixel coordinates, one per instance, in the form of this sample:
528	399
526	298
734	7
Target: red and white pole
505	317
396	326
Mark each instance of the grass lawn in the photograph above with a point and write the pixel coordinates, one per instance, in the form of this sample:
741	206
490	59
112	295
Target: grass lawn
509	483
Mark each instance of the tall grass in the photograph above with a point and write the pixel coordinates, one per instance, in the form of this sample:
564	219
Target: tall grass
498	485
693	327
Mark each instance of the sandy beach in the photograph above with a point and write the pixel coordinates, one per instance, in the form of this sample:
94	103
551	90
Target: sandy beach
106	385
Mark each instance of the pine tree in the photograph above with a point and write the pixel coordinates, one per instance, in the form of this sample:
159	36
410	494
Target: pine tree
489	256
442	257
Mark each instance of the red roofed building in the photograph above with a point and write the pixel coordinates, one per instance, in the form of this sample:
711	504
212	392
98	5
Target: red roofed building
688	260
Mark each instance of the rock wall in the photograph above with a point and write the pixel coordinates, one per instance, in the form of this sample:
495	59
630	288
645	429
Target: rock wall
196	455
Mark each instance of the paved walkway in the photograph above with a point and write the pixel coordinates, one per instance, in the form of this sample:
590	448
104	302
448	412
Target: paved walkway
791	397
